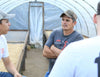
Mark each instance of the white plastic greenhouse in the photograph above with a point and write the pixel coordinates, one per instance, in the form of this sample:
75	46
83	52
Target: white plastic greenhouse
39	15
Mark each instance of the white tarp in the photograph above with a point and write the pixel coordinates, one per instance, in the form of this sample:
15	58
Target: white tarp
36	24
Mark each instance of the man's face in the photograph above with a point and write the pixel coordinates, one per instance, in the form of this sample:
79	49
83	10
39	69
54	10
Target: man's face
67	23
4	26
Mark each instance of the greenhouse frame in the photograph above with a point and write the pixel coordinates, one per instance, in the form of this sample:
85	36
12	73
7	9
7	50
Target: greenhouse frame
36	16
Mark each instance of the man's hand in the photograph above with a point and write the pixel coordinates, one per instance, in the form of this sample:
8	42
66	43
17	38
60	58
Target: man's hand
10	67
17	75
55	50
47	52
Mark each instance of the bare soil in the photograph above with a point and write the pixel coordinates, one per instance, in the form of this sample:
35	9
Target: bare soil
36	65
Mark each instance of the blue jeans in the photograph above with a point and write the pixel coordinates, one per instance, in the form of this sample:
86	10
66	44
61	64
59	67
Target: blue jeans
7	74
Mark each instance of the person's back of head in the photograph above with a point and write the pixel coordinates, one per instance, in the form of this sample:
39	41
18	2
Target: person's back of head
98	9
97	19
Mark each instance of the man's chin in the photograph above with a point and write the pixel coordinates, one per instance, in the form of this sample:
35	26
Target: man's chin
64	29
5	32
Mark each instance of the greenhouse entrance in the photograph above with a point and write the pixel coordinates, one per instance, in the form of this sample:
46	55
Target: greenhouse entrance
36	22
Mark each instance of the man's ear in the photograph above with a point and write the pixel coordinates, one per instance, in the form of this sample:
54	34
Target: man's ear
75	23
95	19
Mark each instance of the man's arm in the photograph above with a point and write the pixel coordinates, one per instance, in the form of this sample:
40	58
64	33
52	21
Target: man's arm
64	66
47	52
10	67
55	50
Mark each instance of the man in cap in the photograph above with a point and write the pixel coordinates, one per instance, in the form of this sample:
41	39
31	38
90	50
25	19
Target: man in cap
4	28
79	59
60	38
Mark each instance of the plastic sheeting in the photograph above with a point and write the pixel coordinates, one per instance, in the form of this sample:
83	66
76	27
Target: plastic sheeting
52	20
84	9
36	24
20	21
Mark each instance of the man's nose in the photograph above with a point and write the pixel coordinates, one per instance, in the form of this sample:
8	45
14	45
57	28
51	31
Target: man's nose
64	22
9	24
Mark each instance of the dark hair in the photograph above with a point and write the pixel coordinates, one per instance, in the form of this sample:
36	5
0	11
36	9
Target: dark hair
98	8
1	21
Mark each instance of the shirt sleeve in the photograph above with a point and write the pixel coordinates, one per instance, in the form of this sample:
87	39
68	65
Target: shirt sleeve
50	40
5	49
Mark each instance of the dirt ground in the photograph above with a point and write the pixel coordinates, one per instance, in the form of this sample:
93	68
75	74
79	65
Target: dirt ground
36	65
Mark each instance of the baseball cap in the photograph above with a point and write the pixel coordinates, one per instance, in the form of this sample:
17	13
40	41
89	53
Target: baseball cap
71	14
4	15
98	9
